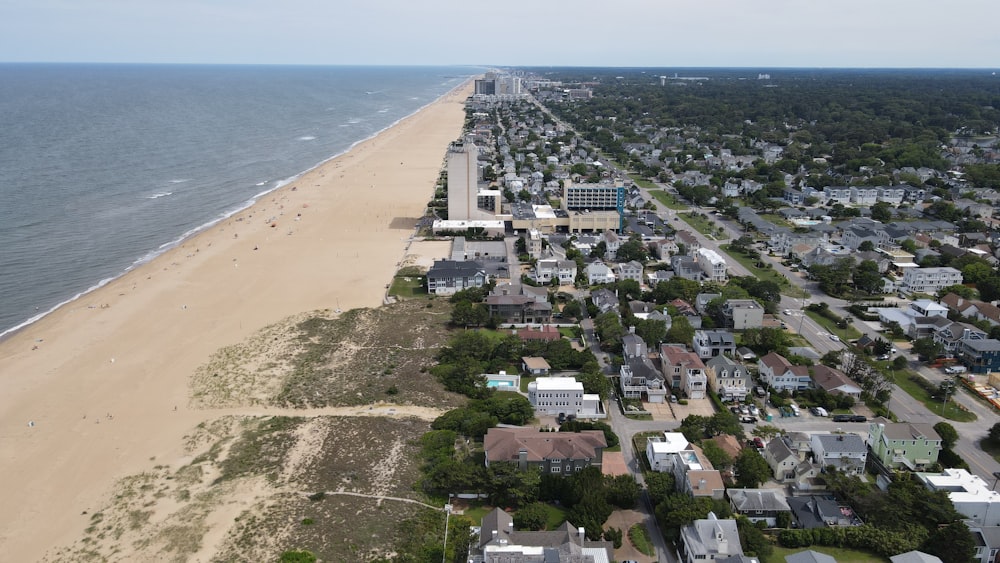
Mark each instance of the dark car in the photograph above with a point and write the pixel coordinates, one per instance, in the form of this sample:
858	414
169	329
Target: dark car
843	418
859	418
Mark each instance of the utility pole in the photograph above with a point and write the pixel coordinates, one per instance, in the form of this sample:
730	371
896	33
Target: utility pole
447	515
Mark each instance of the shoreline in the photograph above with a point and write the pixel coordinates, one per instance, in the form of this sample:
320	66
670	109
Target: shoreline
98	388
152	255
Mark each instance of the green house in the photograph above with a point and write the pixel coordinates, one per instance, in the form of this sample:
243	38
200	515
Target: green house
903	444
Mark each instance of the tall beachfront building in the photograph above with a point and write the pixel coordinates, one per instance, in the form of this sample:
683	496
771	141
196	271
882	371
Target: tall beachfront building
463	181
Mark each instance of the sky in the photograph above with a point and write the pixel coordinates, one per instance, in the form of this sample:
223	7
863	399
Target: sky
633	33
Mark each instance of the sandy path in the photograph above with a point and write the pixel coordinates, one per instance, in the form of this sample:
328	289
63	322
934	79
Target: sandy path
99	379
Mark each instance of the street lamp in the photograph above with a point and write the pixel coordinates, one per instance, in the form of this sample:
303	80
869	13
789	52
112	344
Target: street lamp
802	314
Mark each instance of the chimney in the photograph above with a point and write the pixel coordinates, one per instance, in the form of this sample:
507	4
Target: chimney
494	534
580	531
701	484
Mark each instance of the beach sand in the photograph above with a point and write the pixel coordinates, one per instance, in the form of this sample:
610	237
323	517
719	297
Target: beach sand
99	388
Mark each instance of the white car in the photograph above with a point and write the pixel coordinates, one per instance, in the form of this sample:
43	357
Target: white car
787	312
835	338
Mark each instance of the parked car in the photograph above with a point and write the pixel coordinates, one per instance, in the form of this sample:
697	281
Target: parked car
859	418
843	418
758	442
748	419
835	338
814	411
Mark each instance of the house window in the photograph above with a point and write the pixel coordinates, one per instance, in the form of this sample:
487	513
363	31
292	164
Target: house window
556	469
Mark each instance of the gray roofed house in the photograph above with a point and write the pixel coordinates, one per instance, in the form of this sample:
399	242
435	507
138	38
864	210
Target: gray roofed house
845	452
710	539
819	512
809	556
605	300
710	343
758	504
781	458
499	542
446	277
915	557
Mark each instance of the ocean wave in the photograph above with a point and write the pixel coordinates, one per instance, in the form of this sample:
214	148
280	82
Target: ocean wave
159	195
306	138
180	181
383	110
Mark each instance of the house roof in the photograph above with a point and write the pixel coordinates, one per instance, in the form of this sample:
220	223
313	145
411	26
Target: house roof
841	443
454	269
809	556
812	511
534	363
832	379
915	557
504	444
728	443
779	450
907	430
702	536
674	355
704	482
752	500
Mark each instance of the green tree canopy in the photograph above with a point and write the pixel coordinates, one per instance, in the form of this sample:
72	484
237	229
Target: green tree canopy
751	469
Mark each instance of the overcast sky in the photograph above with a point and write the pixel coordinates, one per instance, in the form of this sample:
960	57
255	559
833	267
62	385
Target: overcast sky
653	33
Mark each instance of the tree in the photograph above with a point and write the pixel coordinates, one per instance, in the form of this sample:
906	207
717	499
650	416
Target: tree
297	557
994	434
751	469
633	249
881	211
532	516
506	485
949	436
927	348
659	486
622	490
765	340
963	291
952	543
715	454
867	278
752	538
680	330
652	331
866	246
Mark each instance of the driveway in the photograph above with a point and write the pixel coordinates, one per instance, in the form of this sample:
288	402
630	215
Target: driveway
623	520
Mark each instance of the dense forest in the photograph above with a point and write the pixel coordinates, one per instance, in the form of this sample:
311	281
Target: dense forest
853	118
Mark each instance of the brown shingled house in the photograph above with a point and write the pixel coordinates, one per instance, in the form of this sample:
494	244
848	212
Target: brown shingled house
560	453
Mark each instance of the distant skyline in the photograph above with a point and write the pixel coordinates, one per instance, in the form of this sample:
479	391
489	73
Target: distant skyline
634	33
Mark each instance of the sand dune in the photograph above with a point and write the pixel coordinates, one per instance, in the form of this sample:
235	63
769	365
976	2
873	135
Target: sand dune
88	394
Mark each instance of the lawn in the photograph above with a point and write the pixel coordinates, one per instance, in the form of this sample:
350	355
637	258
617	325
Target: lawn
842	555
406	285
764	274
850	333
777	220
989	447
668	200
703	225
952	411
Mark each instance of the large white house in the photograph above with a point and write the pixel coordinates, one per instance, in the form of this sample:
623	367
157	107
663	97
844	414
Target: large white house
929	280
563	395
972	496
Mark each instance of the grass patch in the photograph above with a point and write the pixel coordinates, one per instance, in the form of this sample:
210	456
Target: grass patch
525	380
408	287
639	537
764	274
555	516
840	554
476	512
850	333
703	225
990	447
951	411
668	200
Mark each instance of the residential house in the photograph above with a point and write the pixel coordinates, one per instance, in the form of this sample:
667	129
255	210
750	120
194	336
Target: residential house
535	366
915	557
546	333
611	242
951	336
639	378
781	459
742	314
712	264
839	194
981	356
552	396
893	195
683	307
987	540
728	378
820	512
518	309
557	453
661	451
972	497
599	273
685	368
759	505
896	445
809	556
853	237
920	320
605	300
929	280
845	452
549	269
864	196
702	483
792	196
663	248
710	539
711	343
689	241
446	277
702	300
834	381
499	542
776	371
686	267
630	271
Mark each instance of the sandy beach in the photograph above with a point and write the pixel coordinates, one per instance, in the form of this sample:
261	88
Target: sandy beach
100	388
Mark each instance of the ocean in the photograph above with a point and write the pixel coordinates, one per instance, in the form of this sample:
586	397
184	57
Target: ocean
103	167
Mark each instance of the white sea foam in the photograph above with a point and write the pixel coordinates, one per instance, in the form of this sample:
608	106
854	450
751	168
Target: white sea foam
306	138
180	181
159	195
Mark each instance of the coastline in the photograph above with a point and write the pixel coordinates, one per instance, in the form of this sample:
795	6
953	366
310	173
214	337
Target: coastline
99	377
7	332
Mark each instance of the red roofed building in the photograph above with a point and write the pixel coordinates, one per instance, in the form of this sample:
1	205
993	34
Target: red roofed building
558	453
